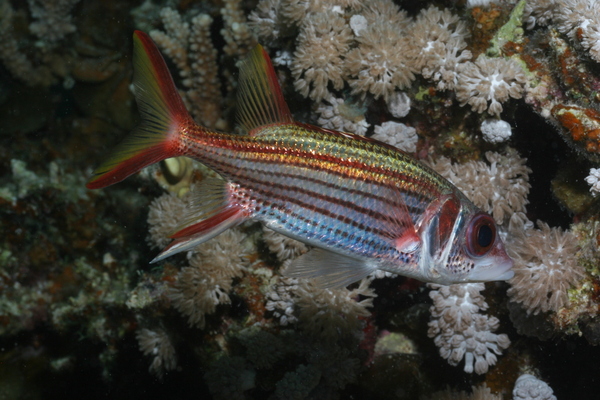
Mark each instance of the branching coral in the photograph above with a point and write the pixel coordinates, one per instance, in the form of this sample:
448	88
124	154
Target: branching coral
460	331
236	32
545	268
53	19
157	344
190	47
489	81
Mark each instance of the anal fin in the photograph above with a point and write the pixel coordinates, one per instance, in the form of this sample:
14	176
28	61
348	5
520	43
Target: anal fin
210	212
202	231
331	270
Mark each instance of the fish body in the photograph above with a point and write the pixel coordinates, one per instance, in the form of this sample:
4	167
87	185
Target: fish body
364	205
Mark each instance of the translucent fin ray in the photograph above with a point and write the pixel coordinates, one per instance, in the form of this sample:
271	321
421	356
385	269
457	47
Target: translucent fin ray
260	100
331	270
209	213
206	200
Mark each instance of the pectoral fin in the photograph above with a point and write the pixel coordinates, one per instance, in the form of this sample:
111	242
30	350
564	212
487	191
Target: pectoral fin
331	270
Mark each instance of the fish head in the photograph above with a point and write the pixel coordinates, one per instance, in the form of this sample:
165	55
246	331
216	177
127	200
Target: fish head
461	244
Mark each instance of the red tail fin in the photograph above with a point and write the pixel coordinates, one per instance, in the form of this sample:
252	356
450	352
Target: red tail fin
162	112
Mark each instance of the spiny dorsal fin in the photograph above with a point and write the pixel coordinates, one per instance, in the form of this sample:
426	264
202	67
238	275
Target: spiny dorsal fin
260	100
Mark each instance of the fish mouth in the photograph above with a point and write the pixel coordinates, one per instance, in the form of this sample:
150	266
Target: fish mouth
498	272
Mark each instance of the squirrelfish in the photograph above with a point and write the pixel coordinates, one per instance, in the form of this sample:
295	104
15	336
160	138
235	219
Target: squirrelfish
363	205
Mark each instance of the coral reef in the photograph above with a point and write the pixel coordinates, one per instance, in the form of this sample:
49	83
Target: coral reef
501	98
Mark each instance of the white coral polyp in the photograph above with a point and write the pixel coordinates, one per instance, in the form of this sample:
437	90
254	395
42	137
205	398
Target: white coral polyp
593	179
158	345
489	81
379	65
545	268
460	331
317	60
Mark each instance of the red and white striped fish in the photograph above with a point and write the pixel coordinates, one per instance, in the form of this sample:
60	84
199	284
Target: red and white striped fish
364	205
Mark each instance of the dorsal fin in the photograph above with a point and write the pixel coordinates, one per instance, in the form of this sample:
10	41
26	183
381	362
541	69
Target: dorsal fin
260	101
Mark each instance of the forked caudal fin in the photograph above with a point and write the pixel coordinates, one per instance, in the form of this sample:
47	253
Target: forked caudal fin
162	115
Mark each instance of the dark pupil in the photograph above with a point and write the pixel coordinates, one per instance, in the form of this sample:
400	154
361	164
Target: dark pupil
484	236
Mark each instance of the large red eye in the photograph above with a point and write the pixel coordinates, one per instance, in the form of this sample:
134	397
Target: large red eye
481	235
